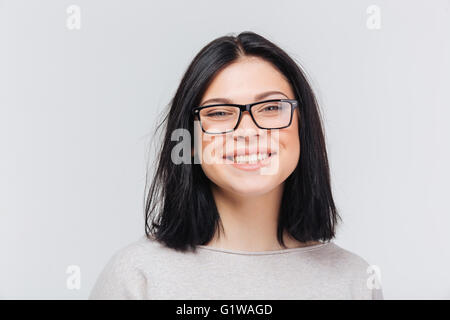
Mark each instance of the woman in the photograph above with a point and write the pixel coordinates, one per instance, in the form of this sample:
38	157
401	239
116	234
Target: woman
248	214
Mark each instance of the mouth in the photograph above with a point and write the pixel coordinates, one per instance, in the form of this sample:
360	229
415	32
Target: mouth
250	158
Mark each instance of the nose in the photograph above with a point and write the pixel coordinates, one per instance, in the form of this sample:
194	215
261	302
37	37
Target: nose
246	127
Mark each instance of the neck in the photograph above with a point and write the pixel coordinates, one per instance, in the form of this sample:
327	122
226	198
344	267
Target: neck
250	222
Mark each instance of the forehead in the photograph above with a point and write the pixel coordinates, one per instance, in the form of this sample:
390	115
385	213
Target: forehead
246	78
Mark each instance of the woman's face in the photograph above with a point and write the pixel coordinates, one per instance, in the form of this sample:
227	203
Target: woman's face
241	83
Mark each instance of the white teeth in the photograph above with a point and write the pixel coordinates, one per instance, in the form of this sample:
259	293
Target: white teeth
252	158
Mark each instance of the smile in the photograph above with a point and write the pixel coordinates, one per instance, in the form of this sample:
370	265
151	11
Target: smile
249	158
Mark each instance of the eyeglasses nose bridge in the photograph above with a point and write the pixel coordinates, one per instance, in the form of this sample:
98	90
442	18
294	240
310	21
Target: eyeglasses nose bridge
243	108
246	107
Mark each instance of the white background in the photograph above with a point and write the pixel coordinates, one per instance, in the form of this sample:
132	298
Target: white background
78	108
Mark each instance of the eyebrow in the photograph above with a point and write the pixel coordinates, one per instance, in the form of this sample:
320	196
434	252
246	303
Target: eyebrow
257	97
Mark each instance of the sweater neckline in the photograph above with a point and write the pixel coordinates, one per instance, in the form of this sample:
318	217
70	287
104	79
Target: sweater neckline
269	252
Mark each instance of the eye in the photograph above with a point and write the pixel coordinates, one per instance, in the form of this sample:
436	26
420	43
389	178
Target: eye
217	114
271	108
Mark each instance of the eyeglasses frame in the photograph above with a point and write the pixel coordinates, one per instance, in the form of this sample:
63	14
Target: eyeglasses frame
245	107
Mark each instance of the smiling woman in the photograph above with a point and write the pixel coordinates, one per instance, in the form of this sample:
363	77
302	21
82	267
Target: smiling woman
229	228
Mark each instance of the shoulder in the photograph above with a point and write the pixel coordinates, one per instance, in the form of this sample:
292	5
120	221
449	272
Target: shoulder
343	258
132	255
136	251
356	271
123	276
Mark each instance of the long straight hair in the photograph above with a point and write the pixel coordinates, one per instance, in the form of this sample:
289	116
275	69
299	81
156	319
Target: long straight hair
180	211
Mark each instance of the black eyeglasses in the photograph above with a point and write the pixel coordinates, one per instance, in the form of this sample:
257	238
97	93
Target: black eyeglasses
267	114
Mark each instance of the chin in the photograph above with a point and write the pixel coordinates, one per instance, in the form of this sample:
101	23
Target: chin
251	186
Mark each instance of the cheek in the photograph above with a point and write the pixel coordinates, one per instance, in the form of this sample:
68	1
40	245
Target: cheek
290	144
210	164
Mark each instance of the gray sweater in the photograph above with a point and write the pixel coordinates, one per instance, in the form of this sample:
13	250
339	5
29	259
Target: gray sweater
146	269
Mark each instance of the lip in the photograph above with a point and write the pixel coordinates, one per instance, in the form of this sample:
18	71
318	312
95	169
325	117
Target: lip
252	166
248	151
